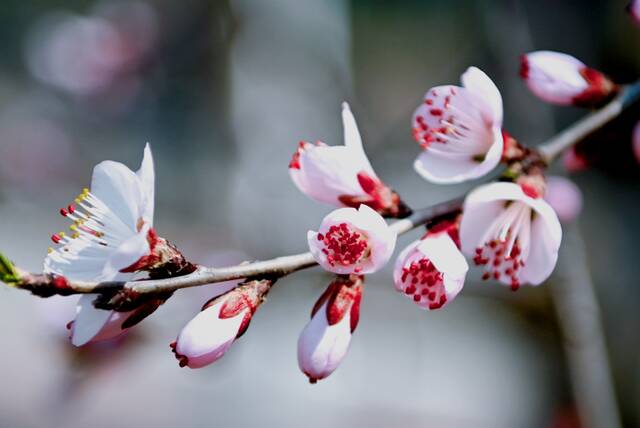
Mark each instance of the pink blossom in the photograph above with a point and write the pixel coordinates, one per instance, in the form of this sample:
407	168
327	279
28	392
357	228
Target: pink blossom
325	340
352	241
342	175
460	130
512	232
431	271
558	78
564	197
207	337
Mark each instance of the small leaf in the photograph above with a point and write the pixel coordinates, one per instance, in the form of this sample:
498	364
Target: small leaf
8	273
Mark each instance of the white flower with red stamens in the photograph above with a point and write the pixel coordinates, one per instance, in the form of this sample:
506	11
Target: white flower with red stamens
352	241
207	337
558	78
325	340
112	232
342	175
460	130
431	271
512	232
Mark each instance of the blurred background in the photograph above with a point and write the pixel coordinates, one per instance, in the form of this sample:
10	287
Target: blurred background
223	90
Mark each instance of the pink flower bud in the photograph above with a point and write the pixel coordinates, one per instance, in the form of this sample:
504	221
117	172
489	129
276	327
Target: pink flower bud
325	340
210	334
431	271
352	241
561	79
564	197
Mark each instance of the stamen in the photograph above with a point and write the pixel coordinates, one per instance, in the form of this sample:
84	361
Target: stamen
425	283
344	245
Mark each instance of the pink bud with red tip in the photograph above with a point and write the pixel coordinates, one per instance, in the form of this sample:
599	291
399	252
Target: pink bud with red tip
431	271
207	337
561	79
352	241
325	340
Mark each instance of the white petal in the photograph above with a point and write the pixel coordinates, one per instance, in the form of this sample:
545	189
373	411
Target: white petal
321	348
146	175
546	235
129	252
331	172
207	337
445	255
353	140
119	188
447	169
480	84
381	238
89	320
555	77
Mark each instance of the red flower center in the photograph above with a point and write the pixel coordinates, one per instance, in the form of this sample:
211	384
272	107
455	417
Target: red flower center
498	263
425	283
344	245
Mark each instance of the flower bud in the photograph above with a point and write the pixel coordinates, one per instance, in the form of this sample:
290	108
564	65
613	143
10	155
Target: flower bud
561	79
431	271
635	141
352	241
223	319
574	161
325	340
564	197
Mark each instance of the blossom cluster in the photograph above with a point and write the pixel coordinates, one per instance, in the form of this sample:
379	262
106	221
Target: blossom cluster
509	228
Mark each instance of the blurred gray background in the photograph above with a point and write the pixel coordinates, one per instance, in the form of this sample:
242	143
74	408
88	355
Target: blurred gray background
223	91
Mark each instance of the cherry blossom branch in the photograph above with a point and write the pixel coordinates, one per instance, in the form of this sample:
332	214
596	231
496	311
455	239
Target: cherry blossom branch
45	285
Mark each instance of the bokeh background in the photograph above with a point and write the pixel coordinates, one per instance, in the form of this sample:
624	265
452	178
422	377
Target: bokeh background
223	90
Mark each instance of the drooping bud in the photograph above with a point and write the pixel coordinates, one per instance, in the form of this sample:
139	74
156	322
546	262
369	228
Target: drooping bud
561	79
325	340
352	241
564	197
431	271
222	320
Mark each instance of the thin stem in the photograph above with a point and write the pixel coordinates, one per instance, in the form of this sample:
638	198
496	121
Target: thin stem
590	123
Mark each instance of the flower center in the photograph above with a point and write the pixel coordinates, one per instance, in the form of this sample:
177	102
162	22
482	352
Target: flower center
505	246
344	245
451	123
425	283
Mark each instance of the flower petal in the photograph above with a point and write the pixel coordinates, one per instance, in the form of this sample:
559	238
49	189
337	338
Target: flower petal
129	252
89	320
119	188
353	140
476	81
146	175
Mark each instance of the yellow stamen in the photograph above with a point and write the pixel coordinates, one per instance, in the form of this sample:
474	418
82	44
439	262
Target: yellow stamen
49	250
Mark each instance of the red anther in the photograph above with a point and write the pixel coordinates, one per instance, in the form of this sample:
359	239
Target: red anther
56	238
63	212
436	112
486	276
530	190
344	246
71	208
417	297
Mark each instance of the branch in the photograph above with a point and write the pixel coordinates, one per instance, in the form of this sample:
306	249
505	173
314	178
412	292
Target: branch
43	285
590	123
